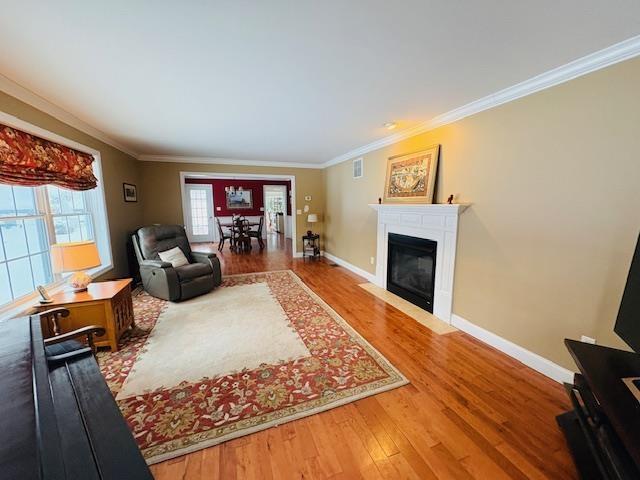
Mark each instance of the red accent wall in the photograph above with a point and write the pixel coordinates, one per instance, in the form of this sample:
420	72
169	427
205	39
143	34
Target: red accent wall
256	186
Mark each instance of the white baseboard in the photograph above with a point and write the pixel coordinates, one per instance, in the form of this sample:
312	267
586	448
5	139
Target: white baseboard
343	263
530	359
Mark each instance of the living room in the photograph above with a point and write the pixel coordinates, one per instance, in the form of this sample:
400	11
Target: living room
353	240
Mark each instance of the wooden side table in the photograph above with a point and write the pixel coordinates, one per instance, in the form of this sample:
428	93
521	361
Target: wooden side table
311	245
105	304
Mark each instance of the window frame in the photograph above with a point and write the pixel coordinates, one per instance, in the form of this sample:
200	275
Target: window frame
99	216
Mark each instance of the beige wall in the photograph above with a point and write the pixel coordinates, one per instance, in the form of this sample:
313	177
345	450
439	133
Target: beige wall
161	189
117	167
554	183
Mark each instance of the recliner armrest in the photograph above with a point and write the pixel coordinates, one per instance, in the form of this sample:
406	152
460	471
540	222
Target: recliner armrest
155	263
203	257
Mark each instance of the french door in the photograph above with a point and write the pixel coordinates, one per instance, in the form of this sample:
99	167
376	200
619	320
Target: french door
200	215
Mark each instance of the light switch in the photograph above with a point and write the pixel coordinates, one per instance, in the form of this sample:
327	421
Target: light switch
299	212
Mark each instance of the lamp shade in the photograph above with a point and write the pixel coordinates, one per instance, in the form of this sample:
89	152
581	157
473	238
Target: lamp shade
312	218
75	256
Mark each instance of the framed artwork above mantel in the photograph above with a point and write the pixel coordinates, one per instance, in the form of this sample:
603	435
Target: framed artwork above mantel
411	178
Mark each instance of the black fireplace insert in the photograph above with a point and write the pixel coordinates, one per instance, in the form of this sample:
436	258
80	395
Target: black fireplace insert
411	269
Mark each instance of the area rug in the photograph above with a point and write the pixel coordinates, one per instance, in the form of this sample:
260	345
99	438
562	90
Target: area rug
259	351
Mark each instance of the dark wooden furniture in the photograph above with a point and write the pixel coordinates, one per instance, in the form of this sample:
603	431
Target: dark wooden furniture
240	228
311	245
63	345
223	236
603	429
257	234
58	419
104	304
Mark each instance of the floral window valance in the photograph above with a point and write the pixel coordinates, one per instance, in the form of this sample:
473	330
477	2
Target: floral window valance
31	161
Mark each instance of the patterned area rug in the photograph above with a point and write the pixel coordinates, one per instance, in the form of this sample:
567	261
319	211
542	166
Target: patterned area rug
259	351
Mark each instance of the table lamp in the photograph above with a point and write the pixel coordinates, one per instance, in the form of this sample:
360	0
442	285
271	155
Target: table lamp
311	218
75	257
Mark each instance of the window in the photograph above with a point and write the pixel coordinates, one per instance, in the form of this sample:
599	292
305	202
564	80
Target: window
33	218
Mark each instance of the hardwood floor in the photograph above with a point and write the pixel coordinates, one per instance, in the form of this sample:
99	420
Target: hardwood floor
469	412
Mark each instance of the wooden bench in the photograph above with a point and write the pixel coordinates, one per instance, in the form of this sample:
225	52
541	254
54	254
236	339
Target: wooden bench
58	420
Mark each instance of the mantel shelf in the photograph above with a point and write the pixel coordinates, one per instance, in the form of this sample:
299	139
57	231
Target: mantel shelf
435	208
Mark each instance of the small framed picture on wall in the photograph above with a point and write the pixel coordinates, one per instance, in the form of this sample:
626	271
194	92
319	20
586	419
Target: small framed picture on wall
130	192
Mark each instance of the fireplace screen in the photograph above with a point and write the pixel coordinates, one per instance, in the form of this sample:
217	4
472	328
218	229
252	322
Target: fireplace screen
411	269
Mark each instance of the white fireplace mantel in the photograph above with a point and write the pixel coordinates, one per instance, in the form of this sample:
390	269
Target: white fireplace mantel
437	222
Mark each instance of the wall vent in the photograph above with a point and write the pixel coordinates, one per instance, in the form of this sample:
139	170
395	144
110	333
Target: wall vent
357	168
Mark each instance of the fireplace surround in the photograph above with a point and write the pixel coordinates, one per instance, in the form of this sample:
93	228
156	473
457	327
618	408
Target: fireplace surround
435	222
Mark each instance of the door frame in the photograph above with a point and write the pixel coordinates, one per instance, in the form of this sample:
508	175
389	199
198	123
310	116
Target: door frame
286	205
240	176
187	218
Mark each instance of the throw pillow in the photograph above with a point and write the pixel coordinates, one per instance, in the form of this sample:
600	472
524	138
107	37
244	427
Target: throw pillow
175	257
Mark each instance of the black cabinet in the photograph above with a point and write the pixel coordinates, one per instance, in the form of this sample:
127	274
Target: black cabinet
603	429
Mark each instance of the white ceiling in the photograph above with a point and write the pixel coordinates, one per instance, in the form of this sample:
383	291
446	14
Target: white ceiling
291	81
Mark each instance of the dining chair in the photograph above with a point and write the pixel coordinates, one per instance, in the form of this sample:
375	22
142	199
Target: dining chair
258	233
242	239
223	236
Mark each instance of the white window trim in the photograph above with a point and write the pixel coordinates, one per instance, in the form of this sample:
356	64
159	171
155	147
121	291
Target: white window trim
23	303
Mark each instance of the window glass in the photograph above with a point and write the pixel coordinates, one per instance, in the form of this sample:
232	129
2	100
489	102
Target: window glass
7	207
41	268
36	235
86	227
5	288
66	200
53	194
25	200
78	202
73	226
61	229
20	276
13	238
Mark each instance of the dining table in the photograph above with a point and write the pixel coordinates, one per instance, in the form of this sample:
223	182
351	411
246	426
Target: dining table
240	241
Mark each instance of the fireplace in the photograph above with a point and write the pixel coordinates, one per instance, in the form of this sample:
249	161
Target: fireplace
411	269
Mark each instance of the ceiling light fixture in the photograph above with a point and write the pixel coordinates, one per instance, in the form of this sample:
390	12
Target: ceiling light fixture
390	125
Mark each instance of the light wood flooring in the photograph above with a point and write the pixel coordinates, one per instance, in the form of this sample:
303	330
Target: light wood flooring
469	412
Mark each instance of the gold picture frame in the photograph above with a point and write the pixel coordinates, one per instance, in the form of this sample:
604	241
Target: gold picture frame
411	178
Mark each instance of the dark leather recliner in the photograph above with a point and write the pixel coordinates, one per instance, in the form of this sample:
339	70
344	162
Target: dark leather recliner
161	279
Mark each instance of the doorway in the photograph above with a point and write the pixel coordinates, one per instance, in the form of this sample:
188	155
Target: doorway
199	213
275	209
254	183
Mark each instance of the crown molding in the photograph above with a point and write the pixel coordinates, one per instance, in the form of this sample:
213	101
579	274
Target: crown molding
27	96
606	57
616	53
224	161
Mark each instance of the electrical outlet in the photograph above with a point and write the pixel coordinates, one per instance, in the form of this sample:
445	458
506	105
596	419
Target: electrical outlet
586	339
372	260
